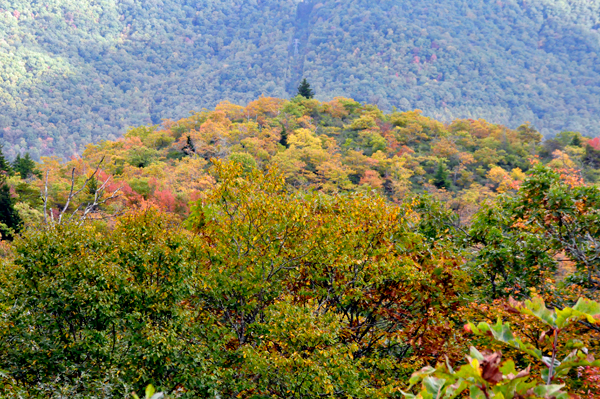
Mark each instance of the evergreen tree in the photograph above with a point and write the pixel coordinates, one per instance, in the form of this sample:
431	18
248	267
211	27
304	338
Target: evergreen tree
24	166
5	168
284	138
441	178
92	186
189	148
10	221
304	89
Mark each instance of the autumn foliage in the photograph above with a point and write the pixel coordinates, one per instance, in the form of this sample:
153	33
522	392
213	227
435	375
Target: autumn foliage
229	262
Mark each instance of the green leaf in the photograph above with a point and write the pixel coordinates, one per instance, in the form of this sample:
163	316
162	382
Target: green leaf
522	386
456	389
150	391
515	386
587	306
434	385
575	359
468	372
476	393
408	395
508	367
537	308
448	366
584	309
547	390
501	332
475	354
419	375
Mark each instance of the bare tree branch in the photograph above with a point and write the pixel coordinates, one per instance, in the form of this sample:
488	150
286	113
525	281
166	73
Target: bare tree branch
44	195
69	197
72	194
98	194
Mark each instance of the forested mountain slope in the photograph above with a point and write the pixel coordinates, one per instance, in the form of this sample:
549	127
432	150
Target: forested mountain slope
332	147
78	72
296	249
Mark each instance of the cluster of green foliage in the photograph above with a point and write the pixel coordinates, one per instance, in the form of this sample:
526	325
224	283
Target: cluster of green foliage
548	216
72	73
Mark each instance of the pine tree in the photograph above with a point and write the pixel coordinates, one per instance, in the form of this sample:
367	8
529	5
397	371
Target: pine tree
441	178
10	221
284	138
92	186
5	168
24	166
304	89
189	148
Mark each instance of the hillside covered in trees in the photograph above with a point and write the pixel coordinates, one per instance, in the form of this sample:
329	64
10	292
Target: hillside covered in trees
332	147
75	72
301	249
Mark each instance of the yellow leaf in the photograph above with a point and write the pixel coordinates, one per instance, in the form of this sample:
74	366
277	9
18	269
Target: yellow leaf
475	365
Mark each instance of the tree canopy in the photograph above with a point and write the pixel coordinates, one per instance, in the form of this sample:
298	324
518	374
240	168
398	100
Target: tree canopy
300	248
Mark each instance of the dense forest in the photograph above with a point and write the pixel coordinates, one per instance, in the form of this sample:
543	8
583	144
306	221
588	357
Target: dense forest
77	72
333	147
304	249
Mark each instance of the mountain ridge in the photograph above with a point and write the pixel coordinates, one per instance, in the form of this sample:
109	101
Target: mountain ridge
79	73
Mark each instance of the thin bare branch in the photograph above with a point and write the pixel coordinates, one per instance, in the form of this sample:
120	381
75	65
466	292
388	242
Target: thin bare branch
45	197
74	212
98	194
89	179
72	194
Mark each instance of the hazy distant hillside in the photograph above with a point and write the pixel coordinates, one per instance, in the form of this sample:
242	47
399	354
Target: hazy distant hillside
72	72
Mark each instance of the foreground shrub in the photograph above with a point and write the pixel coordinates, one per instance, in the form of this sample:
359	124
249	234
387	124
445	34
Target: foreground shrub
90	307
